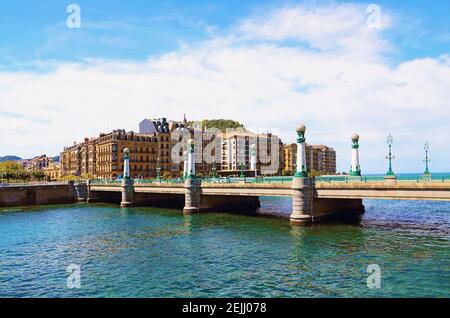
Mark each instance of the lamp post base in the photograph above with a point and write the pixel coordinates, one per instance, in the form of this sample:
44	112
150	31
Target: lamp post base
390	179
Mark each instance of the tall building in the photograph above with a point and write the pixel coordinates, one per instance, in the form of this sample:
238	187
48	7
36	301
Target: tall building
319	158
236	152
289	154
143	155
71	160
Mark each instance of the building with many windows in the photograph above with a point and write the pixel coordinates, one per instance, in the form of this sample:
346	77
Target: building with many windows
151	152
319	158
236	153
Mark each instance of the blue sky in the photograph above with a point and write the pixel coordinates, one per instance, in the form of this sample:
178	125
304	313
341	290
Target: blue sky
34	30
269	64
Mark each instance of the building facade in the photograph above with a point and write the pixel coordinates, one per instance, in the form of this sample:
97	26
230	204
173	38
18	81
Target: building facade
151	152
53	171
319	158
236	147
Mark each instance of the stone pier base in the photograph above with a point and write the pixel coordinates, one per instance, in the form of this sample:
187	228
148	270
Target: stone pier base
127	193
302	201
307	209
192	197
196	201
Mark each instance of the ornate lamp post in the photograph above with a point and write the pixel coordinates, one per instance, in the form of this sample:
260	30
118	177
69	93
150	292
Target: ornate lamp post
126	164
390	141
214	168
300	169
253	160
427	159
158	170
191	159
355	170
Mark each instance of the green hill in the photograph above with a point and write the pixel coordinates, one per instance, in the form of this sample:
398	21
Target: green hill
9	158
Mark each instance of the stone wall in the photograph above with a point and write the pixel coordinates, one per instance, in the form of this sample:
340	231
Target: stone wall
42	194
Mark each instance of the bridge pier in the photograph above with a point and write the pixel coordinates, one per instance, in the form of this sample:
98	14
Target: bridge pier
127	192
88	191
192	195
302	201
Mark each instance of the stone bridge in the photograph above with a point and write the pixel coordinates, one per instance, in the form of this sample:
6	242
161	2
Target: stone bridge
312	201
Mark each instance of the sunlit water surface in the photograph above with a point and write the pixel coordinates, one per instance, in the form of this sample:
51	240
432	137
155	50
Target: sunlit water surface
150	252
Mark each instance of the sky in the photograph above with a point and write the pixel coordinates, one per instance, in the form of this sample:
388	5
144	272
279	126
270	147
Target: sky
338	67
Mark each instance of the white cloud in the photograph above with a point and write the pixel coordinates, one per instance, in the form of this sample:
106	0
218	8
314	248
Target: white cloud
338	84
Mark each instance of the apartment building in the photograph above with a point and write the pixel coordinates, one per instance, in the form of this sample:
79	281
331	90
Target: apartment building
319	158
236	152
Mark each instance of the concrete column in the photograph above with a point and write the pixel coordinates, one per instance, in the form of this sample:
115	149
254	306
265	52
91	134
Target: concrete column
302	201
302	186
88	191
355	169
127	192
192	196
253	159
127	183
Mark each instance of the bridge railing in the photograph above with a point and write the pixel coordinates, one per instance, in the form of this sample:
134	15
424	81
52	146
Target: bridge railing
366	179
280	179
159	181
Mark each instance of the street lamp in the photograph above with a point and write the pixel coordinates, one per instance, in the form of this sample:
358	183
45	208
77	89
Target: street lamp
214	168
158	171
390	157
427	159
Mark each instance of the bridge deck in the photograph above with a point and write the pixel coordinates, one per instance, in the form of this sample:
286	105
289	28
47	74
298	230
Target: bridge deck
406	190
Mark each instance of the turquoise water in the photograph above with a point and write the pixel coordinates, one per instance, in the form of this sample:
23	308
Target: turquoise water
148	252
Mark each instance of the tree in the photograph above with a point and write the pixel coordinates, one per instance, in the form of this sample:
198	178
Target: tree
87	176
221	124
166	175
314	173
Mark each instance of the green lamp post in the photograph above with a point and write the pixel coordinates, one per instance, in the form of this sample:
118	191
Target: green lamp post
427	160
242	175
158	170
214	169
390	157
